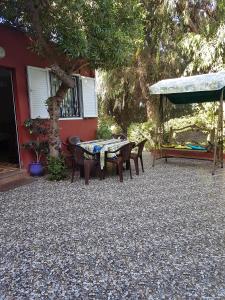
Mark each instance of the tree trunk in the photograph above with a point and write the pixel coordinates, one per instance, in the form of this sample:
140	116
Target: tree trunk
54	104
152	106
54	113
63	76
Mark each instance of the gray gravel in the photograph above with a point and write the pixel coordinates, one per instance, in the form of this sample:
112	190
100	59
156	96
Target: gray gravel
158	236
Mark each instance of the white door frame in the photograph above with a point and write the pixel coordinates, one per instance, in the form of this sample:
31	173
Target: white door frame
14	109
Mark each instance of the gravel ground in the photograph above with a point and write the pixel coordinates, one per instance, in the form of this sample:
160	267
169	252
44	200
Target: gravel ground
158	236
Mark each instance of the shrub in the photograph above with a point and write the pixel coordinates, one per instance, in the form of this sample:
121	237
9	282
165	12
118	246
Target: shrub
56	168
204	116
38	130
139	131
106	127
103	131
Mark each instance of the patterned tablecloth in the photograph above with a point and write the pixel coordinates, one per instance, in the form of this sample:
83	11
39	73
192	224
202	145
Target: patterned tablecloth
102	146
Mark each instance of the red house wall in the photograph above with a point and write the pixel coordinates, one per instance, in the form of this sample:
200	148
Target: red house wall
17	58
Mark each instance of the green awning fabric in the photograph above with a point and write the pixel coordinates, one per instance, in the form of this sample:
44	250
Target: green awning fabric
192	89
194	97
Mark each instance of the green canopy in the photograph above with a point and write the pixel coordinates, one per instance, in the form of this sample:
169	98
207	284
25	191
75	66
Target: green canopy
191	89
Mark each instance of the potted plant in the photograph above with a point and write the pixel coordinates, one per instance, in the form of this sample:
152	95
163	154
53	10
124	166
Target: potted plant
38	145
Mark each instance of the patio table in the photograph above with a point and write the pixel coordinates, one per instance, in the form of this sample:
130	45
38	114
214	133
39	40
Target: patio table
102	147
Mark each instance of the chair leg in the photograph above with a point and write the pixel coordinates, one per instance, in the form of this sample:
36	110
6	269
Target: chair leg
87	170
73	170
127	165
120	170
142	163
130	171
101	173
136	165
81	171
105	170
154	158
117	170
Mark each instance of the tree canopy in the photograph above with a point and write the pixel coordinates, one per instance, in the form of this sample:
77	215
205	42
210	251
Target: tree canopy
72	34
181	37
136	42
104	33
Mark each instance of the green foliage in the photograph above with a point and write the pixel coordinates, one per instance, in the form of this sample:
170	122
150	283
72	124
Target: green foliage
181	37
139	131
107	127
104	132
203	48
177	110
36	126
38	129
137	42
56	168
73	34
40	148
120	97
166	137
205	116
106	33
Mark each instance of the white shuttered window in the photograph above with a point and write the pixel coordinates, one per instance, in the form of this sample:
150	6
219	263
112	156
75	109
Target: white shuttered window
39	91
90	107
39	87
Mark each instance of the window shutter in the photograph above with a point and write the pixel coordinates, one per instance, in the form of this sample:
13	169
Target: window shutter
39	91
90	107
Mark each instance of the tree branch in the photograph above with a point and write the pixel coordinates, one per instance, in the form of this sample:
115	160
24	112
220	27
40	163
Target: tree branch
61	92
35	18
189	23
81	67
63	76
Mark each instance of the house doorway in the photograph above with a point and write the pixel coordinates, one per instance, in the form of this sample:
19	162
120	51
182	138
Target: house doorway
9	155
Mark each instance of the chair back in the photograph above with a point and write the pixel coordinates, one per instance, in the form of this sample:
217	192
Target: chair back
78	154
141	147
125	151
73	140
121	136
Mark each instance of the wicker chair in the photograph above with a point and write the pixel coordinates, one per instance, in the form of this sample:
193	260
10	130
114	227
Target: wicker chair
137	155
85	165
124	156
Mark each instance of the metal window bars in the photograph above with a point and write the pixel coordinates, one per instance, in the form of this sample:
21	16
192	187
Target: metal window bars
71	104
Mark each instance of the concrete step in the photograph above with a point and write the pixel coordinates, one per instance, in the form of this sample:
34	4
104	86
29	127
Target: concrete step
12	173
13	178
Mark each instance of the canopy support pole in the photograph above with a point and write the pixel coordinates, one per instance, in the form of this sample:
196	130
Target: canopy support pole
219	137
221	129
158	131
161	128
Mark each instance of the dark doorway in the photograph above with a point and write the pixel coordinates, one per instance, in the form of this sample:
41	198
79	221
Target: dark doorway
8	130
